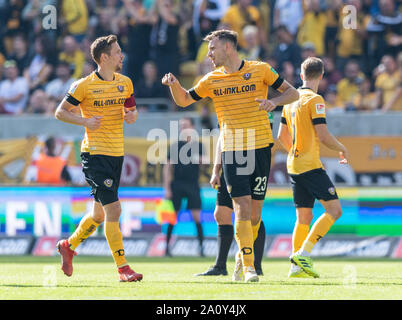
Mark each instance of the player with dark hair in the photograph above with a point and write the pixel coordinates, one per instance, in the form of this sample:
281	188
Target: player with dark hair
101	102
239	90
303	126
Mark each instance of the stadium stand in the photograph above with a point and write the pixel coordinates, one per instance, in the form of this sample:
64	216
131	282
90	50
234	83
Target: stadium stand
167	35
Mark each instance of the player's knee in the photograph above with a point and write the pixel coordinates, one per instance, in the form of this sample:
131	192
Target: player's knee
98	218
242	207
336	212
113	211
218	217
223	216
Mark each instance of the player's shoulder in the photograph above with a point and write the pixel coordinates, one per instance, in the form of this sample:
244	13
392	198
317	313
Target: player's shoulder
309	96
257	64
84	80
122	77
213	75
314	102
82	83
260	66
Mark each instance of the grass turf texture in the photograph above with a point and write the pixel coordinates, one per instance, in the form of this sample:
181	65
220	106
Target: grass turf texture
96	278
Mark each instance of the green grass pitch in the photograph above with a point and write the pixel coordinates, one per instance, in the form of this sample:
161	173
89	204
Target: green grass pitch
25	278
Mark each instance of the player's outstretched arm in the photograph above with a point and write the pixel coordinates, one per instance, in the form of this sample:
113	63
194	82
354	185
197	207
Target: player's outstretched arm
180	95
67	112
331	142
284	137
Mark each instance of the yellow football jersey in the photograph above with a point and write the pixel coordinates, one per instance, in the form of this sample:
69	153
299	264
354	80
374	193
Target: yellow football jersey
244	126
97	97
300	118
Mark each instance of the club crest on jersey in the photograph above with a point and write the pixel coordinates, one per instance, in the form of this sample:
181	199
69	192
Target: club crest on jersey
108	183
331	191
247	76
120	88
320	108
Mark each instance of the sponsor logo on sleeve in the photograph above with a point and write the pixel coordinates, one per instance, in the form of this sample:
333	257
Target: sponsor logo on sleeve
320	108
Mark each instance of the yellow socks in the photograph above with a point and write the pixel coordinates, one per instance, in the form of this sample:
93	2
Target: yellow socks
300	233
244	239
115	241
318	230
113	236
86	227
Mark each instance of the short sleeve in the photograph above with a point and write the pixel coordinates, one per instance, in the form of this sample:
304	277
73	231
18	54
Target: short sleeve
130	87
130	99
317	110
76	93
271	77
200	90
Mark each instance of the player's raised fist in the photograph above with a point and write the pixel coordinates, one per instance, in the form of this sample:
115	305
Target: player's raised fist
93	123
168	79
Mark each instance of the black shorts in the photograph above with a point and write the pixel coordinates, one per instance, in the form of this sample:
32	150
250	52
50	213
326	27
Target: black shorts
247	172
223	197
311	185
191	192
103	175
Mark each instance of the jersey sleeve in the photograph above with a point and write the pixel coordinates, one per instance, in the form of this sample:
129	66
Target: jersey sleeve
130	100
130	87
200	90
317	110
271	77
76	93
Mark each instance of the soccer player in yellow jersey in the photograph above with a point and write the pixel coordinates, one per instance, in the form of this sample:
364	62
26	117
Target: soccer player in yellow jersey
239	89
302	127
101	103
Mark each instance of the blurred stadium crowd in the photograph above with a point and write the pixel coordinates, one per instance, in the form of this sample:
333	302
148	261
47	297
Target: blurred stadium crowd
362	56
